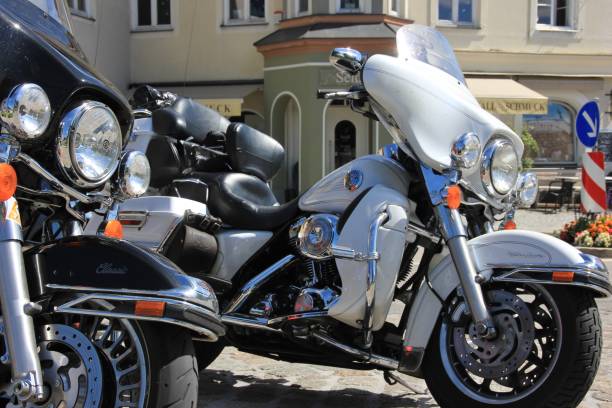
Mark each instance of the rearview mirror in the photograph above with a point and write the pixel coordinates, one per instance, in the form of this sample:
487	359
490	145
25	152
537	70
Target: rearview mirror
347	59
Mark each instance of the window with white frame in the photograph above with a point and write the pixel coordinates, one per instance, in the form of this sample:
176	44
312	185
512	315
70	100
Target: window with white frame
394	7
555	13
79	7
301	7
245	11
151	14
349	6
456	12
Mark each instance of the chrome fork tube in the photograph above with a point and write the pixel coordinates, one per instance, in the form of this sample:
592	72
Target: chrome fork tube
455	235
16	307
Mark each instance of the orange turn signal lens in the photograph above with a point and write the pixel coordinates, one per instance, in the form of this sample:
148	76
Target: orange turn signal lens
149	308
113	229
563	276
453	197
8	181
509	225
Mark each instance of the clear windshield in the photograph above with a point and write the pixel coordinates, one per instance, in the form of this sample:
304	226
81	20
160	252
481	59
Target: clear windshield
428	45
56	9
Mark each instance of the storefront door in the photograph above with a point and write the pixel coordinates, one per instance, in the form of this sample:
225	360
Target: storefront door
346	136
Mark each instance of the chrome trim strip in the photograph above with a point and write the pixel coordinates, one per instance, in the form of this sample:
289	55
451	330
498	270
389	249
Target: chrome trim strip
257	281
423	232
70	307
250	322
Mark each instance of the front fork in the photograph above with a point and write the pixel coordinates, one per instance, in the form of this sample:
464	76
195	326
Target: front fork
17	309
455	235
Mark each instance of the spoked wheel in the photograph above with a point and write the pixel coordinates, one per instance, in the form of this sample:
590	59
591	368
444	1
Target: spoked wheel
546	352
91	362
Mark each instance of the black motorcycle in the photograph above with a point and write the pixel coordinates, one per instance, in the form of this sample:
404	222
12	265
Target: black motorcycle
86	320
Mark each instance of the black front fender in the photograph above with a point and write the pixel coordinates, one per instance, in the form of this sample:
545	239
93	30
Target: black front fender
123	274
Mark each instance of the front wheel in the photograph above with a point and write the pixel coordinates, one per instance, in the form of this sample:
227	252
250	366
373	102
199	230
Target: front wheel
546	353
97	362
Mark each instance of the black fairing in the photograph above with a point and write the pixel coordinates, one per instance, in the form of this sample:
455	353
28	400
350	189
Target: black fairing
98	262
36	48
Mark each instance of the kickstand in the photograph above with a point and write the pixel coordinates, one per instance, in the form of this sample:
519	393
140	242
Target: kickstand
392	379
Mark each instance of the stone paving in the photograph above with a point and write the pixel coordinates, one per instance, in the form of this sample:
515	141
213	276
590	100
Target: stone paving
240	380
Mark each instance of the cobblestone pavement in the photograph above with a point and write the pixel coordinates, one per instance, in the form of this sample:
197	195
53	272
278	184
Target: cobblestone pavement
240	380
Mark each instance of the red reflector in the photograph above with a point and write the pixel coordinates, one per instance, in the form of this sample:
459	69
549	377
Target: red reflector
408	349
130	222
563	276
149	308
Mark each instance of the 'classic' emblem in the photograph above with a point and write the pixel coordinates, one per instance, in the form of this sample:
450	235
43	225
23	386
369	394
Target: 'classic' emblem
110	269
353	179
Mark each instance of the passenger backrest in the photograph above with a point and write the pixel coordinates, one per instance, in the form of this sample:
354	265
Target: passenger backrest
253	152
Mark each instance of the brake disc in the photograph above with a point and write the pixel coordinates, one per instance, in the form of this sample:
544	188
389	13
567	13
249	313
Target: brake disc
72	370
503	355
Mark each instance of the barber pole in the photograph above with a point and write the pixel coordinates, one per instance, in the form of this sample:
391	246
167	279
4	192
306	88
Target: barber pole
593	193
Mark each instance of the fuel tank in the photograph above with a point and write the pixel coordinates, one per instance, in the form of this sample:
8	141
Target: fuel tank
334	192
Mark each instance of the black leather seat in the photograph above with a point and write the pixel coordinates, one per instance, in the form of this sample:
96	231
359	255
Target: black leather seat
245	201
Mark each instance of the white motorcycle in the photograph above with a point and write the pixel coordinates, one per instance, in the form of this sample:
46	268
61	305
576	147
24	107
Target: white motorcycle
503	318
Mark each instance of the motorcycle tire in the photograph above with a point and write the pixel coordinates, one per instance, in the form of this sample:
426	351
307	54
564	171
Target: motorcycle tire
173	366
569	379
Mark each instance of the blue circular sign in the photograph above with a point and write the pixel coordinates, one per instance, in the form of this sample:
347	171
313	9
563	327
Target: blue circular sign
587	124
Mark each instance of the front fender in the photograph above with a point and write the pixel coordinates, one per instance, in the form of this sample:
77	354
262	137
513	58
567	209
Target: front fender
95	268
504	256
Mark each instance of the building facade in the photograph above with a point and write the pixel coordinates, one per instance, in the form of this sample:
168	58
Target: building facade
533	63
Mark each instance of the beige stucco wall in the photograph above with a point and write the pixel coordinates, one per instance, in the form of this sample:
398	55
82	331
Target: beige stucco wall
200	47
105	39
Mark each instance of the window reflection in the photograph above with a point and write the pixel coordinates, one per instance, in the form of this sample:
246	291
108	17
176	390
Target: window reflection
554	134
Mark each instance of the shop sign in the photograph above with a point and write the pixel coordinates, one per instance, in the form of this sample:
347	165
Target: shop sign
226	107
332	78
514	106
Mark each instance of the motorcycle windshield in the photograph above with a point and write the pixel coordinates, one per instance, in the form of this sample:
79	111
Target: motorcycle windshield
429	46
56	9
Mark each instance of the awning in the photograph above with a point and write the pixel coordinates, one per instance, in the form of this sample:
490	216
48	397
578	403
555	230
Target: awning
225	99
507	97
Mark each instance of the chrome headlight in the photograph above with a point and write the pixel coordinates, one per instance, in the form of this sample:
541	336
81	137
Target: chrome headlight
500	167
134	174
527	189
89	144
466	151
26	111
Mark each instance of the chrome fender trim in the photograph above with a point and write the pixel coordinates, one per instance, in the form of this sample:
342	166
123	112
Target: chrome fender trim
177	311
515	256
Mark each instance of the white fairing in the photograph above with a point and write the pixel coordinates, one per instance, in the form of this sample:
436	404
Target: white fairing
332	196
350	306
503	248
431	108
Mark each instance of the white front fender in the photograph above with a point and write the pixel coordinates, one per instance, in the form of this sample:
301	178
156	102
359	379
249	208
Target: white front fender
518	256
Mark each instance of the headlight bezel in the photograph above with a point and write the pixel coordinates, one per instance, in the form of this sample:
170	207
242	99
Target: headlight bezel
11	117
66	152
466	150
486	172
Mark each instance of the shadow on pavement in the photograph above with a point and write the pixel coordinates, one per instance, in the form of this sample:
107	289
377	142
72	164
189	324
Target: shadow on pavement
223	388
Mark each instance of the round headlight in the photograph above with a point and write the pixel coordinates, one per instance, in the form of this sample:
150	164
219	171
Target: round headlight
134	174
500	167
466	150
26	111
527	189
89	144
